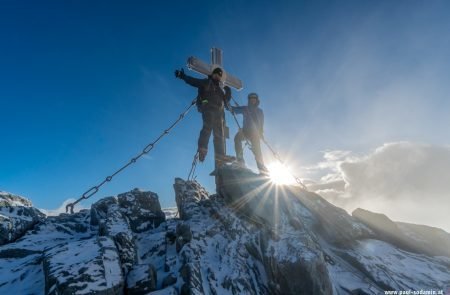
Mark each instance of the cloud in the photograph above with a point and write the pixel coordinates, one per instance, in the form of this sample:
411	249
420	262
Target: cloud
62	208
406	181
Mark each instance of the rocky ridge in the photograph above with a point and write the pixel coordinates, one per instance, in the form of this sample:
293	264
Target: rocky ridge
255	238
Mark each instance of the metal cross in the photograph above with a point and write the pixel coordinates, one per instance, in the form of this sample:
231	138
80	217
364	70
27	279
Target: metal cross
204	68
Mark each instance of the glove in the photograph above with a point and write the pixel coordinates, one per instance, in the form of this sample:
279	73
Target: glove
228	107
179	73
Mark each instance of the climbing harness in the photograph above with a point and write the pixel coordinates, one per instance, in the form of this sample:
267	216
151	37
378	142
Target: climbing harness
191	175
93	190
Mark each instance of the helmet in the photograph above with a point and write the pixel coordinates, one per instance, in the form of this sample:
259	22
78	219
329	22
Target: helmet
254	95
217	71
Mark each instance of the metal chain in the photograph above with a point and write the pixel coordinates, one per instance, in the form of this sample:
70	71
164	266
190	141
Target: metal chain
93	190
191	174
247	142
275	154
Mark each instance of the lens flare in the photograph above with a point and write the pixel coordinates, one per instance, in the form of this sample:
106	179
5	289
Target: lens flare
280	174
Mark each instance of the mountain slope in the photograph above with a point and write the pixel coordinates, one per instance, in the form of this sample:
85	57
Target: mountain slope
255	238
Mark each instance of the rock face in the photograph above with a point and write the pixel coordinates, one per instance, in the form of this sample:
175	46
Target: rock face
16	217
83	266
142	210
410	237
255	238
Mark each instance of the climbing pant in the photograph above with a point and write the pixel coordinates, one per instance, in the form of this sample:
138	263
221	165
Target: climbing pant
212	122
256	148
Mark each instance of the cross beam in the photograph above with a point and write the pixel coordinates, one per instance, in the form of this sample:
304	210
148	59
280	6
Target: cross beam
204	68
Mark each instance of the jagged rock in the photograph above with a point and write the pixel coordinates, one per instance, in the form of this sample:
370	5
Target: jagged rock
298	273
191	274
86	266
141	279
184	235
169	280
16	217
142	210
100	209
415	238
251	239
10	200
255	196
17	253
112	222
187	195
221	252
166	291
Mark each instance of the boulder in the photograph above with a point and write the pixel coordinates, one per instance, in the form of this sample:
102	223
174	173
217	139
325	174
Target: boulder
16	217
187	195
141	279
112	222
142	209
86	266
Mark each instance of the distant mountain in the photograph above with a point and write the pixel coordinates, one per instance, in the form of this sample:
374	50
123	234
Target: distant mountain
255	238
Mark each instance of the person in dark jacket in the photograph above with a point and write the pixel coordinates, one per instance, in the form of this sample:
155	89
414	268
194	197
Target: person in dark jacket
210	102
252	130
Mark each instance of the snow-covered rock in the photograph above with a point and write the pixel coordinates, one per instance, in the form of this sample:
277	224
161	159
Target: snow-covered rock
142	210
89	266
254	238
410	237
16	217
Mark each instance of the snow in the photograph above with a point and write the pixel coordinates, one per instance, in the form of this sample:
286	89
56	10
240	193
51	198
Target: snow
14	200
389	264
62	209
170	212
217	253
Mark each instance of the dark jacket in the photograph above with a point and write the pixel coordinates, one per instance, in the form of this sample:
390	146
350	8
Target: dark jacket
253	119
210	95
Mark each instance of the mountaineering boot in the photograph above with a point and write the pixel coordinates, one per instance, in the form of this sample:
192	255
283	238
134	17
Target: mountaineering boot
220	161
240	162
263	171
202	154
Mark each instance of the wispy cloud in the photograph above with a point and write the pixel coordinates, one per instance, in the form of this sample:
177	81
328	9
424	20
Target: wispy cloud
407	181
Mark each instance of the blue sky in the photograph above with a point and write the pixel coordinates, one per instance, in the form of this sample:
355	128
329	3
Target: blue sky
85	85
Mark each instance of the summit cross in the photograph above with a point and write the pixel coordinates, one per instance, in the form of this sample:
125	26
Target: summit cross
204	68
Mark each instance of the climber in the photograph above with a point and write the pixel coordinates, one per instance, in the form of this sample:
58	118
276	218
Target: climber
210	102
252	130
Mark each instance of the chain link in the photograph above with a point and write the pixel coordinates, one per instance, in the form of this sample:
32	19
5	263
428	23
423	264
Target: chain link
93	190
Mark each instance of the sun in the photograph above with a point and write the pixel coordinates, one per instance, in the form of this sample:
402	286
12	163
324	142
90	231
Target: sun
280	174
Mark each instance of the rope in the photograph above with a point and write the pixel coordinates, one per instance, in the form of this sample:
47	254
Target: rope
93	190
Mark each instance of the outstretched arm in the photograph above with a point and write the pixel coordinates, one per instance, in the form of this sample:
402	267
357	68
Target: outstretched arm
238	110
189	80
193	81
